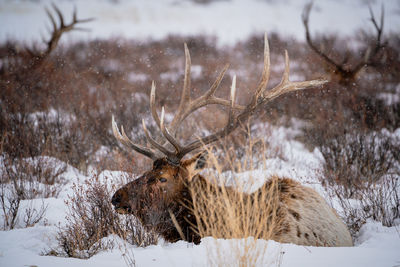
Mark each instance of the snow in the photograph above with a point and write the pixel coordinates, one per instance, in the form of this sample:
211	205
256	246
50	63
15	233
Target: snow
229	21
380	246
136	77
391	98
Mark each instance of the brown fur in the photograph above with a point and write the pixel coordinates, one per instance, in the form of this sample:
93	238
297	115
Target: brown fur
303	217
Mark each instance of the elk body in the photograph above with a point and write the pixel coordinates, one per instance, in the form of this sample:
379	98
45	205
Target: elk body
161	198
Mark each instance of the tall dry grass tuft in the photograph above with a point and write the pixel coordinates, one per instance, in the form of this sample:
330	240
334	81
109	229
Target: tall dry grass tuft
226	209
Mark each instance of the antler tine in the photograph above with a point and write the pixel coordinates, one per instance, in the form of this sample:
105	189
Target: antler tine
74	16
217	82
126	141
76	20
378	28
58	30
185	97
285	77
160	123
60	15
266	68
52	20
371	52
233	91
279	89
153	104
154	143
166	133
368	58
265	75
263	97
207	99
382	16
287	86
187	106
187	80
305	18
232	100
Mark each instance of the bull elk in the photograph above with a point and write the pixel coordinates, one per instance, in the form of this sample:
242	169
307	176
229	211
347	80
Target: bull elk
344	72
161	198
36	56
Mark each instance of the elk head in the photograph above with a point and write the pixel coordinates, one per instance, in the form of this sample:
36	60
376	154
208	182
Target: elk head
158	197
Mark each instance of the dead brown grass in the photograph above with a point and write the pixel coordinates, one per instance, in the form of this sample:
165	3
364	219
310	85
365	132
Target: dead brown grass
232	212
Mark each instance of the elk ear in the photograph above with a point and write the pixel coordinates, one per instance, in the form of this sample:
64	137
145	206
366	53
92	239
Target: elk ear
201	160
196	164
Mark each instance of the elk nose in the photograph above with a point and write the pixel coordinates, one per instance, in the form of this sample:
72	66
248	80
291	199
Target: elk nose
116	199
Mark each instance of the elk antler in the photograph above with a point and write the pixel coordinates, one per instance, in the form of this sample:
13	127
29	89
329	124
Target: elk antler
126	141
58	30
237	114
368	57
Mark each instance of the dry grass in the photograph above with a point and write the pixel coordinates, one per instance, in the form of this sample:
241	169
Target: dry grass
229	212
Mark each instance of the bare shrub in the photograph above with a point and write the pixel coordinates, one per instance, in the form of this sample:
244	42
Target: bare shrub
33	216
33	177
352	160
25	179
83	82
91	218
87	81
128	256
10	203
376	200
362	172
381	201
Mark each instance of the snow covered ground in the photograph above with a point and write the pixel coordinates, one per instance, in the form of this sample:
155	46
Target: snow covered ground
376	245
380	248
229	21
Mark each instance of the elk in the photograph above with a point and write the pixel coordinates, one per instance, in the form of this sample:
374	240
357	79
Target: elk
161	198
343	72
37	56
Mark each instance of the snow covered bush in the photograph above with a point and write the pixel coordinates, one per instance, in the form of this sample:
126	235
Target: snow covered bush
362	171
353	160
25	179
91	218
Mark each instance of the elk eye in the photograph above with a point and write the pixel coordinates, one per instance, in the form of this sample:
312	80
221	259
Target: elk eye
163	180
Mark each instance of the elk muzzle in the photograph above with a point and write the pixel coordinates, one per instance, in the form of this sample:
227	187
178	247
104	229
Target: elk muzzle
120	202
